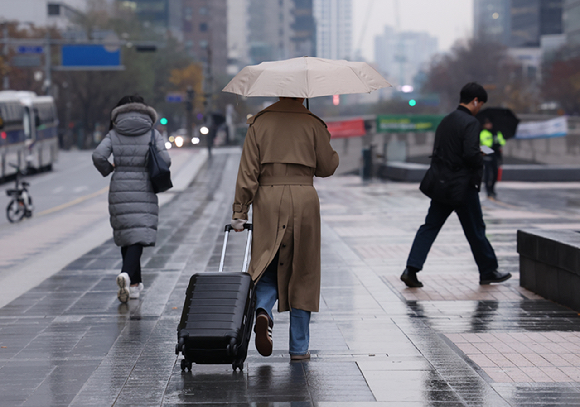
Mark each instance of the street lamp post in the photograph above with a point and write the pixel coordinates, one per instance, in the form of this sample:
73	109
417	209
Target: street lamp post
189	111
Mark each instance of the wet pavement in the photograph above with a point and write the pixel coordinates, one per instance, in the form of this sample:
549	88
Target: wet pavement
69	342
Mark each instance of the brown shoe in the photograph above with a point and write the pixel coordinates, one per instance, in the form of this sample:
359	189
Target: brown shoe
305	356
263	330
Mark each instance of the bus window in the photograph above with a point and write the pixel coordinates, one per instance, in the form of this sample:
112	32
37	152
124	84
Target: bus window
37	122
27	129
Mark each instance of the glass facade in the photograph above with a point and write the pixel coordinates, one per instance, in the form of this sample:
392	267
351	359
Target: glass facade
533	18
492	20
571	21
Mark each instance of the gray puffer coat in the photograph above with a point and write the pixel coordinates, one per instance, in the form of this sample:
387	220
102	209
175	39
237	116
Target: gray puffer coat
133	205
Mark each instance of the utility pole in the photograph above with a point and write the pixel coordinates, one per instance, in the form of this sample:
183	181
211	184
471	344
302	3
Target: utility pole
47	66
208	98
6	47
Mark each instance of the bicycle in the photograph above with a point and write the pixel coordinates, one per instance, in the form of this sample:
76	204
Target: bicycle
21	204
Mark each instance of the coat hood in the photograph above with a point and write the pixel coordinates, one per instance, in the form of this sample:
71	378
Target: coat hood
133	119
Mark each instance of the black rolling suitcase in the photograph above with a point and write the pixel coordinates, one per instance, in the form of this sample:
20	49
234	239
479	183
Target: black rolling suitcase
218	315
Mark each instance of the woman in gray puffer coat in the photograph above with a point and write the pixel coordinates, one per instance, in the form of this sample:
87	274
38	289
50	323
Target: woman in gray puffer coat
133	205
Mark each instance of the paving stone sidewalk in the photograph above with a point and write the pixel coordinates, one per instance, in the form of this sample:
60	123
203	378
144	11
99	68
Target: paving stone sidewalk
68	342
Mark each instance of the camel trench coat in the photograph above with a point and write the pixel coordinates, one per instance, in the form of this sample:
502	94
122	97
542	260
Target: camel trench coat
285	147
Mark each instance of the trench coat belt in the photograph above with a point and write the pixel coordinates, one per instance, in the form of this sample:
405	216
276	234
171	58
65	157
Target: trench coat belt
291	180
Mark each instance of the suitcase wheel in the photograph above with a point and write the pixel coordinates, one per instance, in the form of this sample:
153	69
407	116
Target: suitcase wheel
238	364
232	348
179	346
186	364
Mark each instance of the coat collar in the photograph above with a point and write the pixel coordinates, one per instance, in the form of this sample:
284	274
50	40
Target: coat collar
285	106
464	109
134	107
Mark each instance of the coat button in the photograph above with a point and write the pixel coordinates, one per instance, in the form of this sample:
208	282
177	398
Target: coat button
281	264
283	245
283	226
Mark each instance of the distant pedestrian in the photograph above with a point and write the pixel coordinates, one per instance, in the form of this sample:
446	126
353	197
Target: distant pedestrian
493	139
457	153
285	147
133	205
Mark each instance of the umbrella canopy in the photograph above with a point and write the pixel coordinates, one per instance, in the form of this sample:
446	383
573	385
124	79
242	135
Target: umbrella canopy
503	120
306	77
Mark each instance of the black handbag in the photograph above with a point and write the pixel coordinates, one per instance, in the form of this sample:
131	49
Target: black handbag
158	169
445	184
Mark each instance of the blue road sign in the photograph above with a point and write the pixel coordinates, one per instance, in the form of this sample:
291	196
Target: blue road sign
30	49
89	55
174	98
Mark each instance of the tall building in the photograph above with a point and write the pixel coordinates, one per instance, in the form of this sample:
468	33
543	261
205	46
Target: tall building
517	23
268	30
205	33
401	55
492	20
43	13
238	56
277	30
571	20
533	18
333	28
303	29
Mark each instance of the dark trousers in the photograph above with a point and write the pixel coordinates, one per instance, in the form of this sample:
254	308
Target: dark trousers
471	219
490	174
132	262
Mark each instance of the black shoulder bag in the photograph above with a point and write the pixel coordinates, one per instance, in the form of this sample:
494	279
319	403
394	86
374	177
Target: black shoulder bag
158	168
445	183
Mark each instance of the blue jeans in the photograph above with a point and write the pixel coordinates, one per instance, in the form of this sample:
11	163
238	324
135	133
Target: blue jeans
266	296
471	219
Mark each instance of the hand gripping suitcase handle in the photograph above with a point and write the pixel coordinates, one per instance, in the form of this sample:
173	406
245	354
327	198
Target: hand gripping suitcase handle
228	228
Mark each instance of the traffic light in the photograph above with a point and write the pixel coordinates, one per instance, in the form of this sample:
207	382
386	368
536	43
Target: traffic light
412	102
163	121
145	47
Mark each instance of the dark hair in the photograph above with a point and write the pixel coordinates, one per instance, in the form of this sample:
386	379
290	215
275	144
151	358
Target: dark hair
125	100
471	91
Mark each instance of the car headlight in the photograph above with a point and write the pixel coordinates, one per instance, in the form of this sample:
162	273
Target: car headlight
179	141
168	145
195	140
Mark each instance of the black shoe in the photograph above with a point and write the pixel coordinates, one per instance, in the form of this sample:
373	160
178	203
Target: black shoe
409	277
494	277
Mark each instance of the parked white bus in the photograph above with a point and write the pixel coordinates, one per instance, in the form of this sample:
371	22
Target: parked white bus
28	132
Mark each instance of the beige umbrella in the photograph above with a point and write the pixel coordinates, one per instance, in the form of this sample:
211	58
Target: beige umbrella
306	77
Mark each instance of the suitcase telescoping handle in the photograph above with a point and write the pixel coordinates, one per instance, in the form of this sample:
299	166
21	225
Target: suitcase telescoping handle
228	229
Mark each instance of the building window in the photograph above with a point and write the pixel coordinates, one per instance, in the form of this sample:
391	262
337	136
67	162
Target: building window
203	27
203	11
53	9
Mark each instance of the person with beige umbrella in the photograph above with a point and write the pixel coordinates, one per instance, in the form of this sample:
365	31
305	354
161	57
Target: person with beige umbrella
286	146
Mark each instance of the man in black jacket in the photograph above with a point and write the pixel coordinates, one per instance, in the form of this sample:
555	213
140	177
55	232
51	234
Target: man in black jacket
457	147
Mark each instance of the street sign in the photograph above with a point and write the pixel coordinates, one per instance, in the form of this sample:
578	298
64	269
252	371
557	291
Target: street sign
26	61
30	49
175	97
89	55
407	123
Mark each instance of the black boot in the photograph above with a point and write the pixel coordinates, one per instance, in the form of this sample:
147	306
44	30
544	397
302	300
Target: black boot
409	277
494	277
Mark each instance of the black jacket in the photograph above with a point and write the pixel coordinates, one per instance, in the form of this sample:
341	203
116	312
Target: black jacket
457	144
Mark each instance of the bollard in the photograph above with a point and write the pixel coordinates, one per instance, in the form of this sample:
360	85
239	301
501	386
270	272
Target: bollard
367	163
